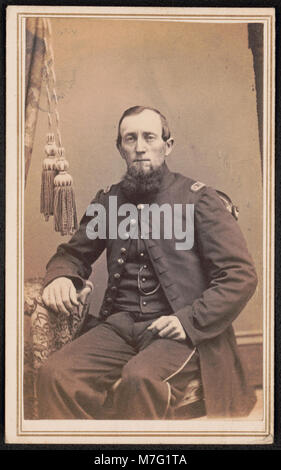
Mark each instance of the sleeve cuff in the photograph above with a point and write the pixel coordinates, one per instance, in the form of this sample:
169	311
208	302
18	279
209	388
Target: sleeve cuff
185	317
77	280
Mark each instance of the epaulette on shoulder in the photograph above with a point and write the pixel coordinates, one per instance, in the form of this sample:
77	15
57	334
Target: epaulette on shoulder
234	210
107	189
197	186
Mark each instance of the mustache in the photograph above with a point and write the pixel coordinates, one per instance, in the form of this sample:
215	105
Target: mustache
141	160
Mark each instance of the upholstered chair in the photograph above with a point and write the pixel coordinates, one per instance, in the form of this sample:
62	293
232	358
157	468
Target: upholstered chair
45	332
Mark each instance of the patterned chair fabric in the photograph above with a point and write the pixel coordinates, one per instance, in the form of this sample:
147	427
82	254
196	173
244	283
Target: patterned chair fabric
45	332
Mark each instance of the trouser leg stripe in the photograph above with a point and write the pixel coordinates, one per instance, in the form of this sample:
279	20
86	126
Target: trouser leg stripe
169	399
182	366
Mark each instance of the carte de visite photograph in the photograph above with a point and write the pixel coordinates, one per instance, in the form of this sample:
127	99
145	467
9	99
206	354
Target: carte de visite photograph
140	225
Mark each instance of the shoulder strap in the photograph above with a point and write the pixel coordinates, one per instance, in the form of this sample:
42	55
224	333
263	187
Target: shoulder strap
196	186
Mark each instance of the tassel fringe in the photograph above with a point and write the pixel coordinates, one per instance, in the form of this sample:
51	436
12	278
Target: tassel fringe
47	192
65	216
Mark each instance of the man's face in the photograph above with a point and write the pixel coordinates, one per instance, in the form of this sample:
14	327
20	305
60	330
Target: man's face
142	145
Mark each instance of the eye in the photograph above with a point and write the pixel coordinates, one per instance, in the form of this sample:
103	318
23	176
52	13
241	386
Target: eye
129	139
150	137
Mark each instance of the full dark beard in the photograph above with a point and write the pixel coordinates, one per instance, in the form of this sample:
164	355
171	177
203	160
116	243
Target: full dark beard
138	185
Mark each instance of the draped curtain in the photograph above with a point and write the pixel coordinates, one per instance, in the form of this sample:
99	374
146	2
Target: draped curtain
255	38
35	50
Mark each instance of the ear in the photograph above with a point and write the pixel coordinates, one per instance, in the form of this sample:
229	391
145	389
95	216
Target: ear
120	150
169	146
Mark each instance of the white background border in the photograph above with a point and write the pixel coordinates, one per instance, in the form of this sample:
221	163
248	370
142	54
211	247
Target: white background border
19	430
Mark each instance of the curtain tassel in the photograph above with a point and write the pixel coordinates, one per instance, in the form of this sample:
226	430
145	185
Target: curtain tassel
65	216
49	172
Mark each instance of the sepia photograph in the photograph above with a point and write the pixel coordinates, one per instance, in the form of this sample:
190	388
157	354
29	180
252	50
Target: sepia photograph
140	225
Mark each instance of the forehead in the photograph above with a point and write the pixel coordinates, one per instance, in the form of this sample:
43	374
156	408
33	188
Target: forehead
146	121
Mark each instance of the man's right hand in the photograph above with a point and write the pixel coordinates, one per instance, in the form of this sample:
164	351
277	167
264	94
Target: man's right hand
60	296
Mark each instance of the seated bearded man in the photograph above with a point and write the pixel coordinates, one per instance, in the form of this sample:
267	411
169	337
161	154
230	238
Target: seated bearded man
166	318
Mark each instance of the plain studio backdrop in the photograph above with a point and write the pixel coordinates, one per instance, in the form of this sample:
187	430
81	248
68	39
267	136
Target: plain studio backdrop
199	75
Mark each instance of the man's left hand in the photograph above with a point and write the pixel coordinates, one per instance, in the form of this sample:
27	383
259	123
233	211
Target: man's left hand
168	327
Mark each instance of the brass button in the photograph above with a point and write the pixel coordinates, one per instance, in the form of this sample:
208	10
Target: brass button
141	254
145	266
140	206
120	261
123	250
114	288
109	300
144	303
117	276
143	279
105	312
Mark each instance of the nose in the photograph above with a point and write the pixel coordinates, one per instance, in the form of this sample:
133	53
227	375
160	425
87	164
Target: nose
140	145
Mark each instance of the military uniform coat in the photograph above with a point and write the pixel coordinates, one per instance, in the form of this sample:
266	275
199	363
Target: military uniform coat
206	286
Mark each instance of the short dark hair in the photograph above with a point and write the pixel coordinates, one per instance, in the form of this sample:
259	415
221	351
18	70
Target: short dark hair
139	109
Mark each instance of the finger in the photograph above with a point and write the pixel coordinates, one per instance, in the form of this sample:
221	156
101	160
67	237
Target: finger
166	331
174	335
151	326
155	327
60	306
45	297
82	296
73	295
158	324
65	297
165	323
179	336
52	302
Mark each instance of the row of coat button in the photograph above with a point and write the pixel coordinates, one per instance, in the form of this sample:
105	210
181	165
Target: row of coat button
109	300
133	222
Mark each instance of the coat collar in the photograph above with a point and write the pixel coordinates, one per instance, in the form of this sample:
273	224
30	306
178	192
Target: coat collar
168	179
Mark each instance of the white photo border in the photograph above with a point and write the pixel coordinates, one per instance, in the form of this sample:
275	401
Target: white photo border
225	431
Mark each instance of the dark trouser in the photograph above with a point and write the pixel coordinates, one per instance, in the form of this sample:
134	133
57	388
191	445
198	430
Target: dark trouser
154	372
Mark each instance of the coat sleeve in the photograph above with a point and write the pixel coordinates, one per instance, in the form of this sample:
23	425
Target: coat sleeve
231	274
74	259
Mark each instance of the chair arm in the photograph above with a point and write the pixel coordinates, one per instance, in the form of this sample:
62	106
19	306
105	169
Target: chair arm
44	333
50	331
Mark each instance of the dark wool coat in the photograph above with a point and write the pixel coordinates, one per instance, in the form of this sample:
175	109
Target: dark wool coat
206	286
